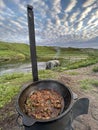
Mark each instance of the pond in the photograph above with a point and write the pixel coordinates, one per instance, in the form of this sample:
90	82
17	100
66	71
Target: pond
20	67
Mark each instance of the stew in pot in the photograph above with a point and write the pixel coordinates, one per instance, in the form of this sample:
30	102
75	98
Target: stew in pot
44	104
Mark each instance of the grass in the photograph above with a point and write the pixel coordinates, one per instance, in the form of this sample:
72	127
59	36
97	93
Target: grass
67	65
83	63
10	84
16	52
13	52
85	84
70	58
95	83
95	69
72	73
88	84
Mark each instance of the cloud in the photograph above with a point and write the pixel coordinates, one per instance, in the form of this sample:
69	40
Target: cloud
7	14
56	6
22	7
95	23
10	12
22	20
88	3
62	31
16	1
96	13
17	24
73	17
92	19
85	13
2	18
2	4
54	9
71	5
54	24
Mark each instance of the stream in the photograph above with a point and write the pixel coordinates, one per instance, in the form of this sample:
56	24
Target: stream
20	67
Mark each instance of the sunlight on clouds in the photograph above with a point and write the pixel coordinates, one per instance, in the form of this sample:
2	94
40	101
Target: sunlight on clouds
96	13
95	23
73	17
56	22
49	23
85	13
88	3
92	19
56	7
80	26
71	5
2	4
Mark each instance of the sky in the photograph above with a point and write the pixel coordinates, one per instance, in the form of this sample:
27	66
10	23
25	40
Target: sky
64	23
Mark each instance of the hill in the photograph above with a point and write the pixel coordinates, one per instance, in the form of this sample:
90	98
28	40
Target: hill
13	52
69	57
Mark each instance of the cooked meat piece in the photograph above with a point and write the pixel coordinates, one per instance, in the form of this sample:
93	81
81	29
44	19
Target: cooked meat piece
44	104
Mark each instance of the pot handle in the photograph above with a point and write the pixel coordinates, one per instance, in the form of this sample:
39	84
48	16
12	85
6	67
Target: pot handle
28	121
80	107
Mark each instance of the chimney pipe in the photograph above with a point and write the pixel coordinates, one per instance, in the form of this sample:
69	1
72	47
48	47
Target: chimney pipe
32	42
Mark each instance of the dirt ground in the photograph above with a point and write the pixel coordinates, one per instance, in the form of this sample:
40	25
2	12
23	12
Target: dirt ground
8	114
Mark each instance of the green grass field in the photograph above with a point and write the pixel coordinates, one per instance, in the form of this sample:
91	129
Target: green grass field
70	58
13	52
10	84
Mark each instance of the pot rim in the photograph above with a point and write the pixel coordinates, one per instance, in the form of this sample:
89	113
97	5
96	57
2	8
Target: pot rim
44	120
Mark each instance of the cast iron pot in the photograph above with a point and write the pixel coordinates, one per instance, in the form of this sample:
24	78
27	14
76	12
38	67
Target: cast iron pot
70	111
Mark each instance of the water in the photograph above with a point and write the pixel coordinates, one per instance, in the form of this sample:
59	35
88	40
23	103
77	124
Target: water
20	67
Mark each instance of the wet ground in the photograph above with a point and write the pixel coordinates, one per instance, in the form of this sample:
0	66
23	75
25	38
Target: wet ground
20	68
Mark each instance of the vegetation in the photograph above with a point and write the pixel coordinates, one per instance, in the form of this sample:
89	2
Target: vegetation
72	73
83	63
95	69
88	84
10	84
13	52
70	58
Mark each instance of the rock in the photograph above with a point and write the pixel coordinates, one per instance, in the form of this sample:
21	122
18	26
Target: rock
52	63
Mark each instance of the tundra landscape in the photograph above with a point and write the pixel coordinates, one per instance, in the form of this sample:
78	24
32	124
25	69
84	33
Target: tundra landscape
78	70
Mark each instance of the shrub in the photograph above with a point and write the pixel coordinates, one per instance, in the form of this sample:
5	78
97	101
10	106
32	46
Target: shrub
95	69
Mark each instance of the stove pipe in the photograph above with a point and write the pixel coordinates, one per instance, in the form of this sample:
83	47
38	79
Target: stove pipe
32	42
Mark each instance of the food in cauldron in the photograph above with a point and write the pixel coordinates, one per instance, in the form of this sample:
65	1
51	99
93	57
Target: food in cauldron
44	104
